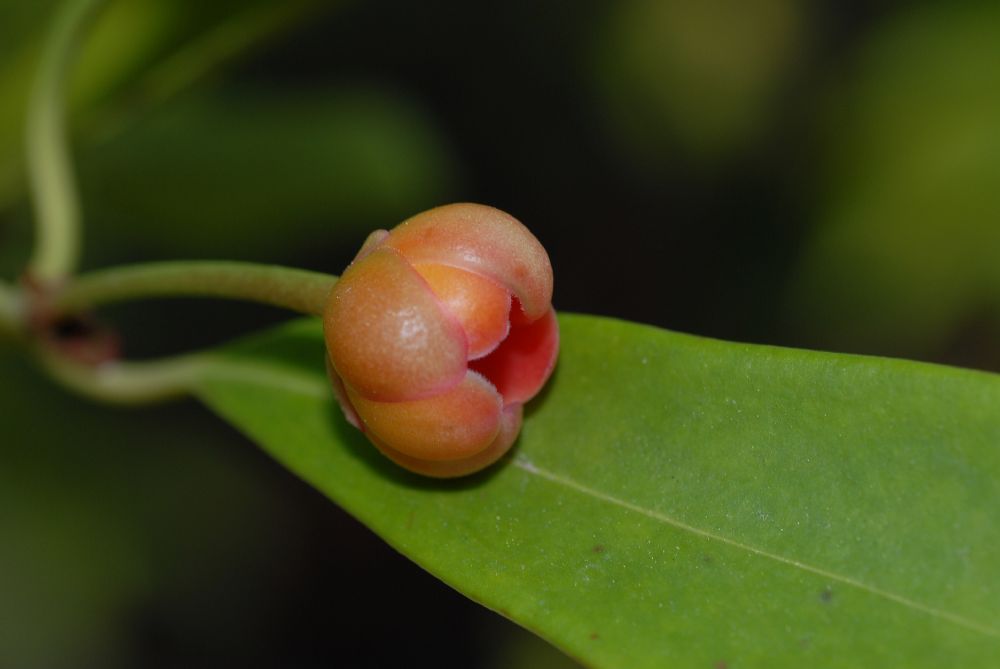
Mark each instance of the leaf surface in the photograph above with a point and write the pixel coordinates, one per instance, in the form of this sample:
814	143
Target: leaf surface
685	502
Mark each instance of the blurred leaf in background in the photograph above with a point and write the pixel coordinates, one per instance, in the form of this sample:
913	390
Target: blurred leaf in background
518	649
264	173
702	78
110	518
906	249
142	53
156	47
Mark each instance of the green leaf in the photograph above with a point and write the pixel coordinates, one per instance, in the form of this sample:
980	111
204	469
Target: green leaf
684	502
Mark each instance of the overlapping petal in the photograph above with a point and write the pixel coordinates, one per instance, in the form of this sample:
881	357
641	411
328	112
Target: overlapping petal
484	240
457	423
388	335
510	426
480	304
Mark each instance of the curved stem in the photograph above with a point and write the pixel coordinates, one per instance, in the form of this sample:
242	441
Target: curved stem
50	173
295	289
127	383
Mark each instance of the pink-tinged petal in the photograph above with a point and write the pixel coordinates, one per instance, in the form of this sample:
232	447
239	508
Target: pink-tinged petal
481	305
372	242
517	316
484	240
510	425
387	334
454	425
523	362
340	392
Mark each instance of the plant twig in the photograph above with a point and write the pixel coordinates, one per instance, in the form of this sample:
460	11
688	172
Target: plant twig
126	383
295	289
50	172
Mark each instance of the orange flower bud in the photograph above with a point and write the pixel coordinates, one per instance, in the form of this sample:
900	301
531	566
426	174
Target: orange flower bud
437	334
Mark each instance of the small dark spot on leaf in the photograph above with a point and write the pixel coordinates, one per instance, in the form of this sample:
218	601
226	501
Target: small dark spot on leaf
594	636
721	664
826	596
409	520
805	642
707	559
599	548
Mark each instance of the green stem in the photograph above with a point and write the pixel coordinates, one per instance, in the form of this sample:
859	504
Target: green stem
128	383
50	173
295	289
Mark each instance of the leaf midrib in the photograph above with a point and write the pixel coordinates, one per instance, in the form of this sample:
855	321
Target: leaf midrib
526	465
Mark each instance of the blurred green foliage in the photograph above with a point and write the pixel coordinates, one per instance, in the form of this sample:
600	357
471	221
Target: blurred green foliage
100	514
699	78
274	167
128	40
264	174
906	248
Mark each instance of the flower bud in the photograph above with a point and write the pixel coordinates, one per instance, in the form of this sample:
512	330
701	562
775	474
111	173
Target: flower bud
438	333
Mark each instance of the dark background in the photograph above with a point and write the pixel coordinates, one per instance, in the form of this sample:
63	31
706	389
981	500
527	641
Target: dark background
816	174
